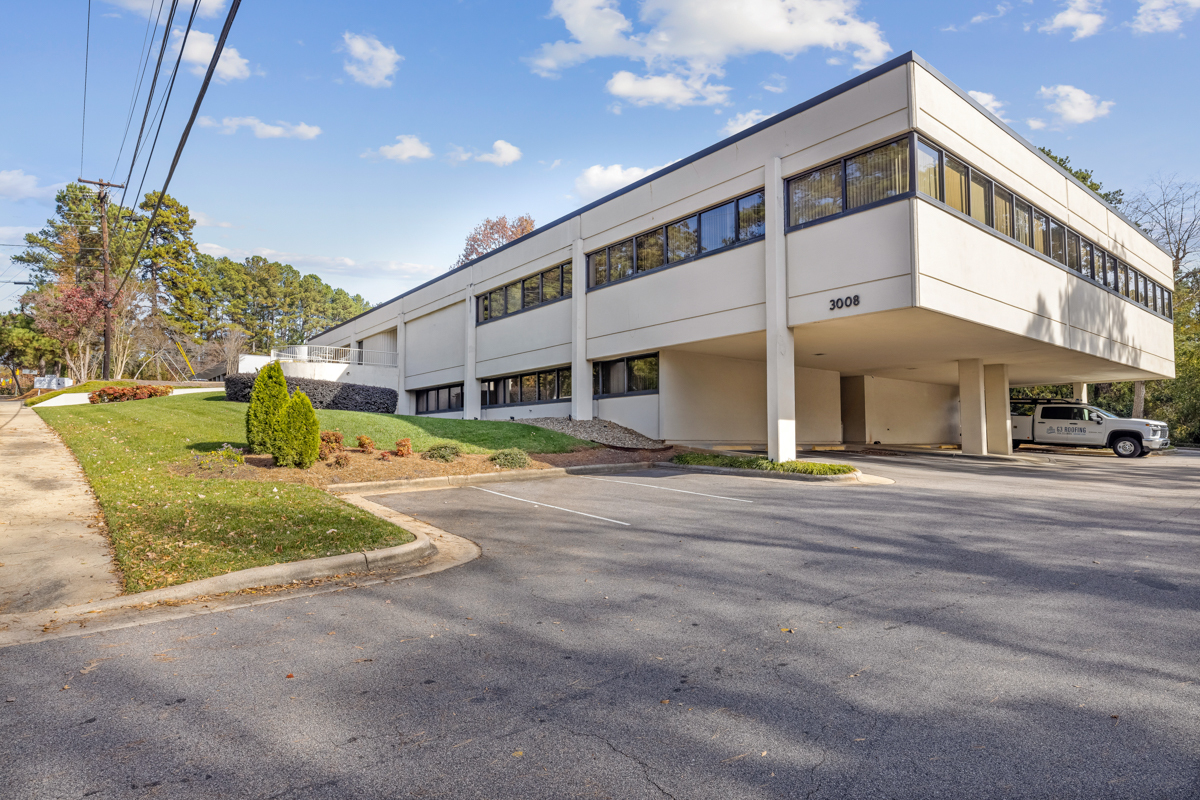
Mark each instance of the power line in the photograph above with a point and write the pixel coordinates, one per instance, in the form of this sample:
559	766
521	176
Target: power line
87	50
150	97
212	67
139	68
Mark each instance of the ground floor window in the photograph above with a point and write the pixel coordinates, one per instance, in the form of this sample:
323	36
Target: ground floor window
443	398
544	386
625	375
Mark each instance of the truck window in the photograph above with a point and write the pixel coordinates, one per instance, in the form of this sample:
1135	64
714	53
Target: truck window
1064	412
1022	409
1099	413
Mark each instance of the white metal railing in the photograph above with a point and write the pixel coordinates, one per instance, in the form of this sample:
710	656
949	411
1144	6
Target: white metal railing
334	355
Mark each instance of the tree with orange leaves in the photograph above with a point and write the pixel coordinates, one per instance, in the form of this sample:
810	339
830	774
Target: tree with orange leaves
492	233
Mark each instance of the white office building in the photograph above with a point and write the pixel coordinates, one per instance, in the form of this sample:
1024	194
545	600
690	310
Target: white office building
878	264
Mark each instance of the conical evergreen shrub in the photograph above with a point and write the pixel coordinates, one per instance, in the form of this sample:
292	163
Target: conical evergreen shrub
267	399
297	436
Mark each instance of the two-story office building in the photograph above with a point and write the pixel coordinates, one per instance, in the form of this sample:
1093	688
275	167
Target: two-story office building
878	264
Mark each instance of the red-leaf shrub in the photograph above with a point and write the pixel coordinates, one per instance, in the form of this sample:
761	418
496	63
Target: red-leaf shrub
404	448
119	394
367	445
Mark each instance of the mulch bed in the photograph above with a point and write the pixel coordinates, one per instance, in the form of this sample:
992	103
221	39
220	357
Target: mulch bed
365	467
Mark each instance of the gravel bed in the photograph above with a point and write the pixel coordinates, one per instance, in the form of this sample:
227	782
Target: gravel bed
597	430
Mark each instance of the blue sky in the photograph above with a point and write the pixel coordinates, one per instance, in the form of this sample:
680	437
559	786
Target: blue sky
362	141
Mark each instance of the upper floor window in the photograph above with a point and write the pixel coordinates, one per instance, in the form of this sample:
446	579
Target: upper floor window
963	188
545	287
734	222
853	182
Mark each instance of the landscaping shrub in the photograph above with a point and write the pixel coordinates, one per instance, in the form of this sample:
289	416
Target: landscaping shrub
738	462
120	394
366	444
385	456
342	460
331	443
333	395
296	438
445	453
267	400
227	456
512	458
404	448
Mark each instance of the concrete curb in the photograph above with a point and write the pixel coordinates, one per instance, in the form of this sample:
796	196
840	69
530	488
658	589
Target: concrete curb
851	477
504	476
278	574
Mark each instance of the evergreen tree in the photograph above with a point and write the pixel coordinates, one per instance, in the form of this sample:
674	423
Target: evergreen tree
297	436
267	400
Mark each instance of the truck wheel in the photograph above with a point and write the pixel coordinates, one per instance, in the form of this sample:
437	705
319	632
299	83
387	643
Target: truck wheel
1127	447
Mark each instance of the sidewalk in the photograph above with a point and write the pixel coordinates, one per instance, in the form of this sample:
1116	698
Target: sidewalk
50	556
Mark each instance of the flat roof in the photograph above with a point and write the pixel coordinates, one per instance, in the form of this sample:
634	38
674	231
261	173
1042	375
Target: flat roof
871	74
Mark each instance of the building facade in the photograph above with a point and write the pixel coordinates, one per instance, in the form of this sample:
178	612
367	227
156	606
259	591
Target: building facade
878	264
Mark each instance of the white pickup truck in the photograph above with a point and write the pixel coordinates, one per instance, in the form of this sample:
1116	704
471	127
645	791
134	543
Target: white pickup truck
1070	423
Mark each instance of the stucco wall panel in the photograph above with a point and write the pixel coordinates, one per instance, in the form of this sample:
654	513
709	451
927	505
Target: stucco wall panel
537	329
436	341
873	296
528	412
851	250
907	412
712	399
639	412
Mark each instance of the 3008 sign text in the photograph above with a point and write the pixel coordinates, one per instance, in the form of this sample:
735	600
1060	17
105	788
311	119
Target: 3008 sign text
843	302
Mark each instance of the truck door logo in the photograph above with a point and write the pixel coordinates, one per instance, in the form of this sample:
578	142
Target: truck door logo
1070	430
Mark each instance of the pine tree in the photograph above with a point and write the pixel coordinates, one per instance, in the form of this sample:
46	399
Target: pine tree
297	437
267	400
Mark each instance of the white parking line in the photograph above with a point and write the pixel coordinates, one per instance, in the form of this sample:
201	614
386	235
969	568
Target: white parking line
665	489
547	505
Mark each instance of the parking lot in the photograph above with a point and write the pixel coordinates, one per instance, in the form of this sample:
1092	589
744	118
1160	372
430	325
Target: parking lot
977	629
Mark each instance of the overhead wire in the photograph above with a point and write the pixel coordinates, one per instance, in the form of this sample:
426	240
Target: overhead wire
140	68
87	51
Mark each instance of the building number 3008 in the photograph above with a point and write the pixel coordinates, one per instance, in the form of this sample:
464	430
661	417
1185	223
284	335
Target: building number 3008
843	302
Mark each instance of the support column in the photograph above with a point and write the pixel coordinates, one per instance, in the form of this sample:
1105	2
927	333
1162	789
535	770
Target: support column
971	406
1079	392
781	357
999	413
472	405
581	368
402	402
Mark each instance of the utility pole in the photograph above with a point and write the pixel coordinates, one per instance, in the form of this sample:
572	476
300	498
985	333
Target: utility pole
103	195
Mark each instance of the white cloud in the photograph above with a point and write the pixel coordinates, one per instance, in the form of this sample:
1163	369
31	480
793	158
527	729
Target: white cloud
991	103
1084	17
777	84
597	181
502	154
982	16
208	8
1035	124
199	52
16	185
371	62
1074	106
1162	16
205	221
262	130
406	148
399	274
739	122
684	44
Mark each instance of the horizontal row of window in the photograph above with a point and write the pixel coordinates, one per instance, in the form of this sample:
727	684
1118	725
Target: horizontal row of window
533	387
943	177
544	287
625	375
853	182
443	398
730	223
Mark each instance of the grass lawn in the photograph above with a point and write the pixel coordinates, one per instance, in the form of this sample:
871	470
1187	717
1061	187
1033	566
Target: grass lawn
738	462
471	435
88	387
169	529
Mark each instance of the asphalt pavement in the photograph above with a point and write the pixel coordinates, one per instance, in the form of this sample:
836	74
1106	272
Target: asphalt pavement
975	630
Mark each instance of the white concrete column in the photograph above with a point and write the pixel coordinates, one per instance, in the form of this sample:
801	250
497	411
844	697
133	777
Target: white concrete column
999	414
971	406
581	368
781	357
403	403
472	408
1079	391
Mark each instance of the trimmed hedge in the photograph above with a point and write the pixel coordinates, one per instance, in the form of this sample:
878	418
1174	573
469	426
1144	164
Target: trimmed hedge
268	396
296	435
121	394
333	395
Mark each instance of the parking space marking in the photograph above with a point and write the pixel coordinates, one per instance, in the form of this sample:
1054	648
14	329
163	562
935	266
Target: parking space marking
547	505
665	488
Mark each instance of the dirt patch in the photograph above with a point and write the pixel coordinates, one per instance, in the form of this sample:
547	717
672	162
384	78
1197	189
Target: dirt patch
364	467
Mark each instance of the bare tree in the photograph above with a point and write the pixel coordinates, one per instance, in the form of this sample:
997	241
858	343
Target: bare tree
1168	209
233	343
492	233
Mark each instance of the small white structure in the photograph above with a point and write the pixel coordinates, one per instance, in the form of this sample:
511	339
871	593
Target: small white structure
878	264
52	383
